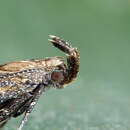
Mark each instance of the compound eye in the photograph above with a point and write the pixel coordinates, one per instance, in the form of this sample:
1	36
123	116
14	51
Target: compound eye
57	76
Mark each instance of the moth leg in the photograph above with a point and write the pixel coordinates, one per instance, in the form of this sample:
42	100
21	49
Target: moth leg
21	110
37	92
10	107
24	107
2	124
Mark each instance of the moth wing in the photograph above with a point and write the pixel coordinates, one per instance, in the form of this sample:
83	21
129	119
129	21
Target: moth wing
17	66
14	87
11	87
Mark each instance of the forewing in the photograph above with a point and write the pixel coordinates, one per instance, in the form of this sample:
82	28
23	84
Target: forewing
13	87
20	77
17	66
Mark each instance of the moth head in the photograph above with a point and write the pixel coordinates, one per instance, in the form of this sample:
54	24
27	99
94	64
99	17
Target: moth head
73	58
58	76
57	71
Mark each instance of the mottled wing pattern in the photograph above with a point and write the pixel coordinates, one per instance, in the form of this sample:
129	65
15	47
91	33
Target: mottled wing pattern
17	66
17	78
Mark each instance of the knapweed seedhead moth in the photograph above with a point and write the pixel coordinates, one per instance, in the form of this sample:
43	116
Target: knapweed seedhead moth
22	82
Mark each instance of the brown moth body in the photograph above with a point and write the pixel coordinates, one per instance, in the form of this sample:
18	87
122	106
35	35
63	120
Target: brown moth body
22	82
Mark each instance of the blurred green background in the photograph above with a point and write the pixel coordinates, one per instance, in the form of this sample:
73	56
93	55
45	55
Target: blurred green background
100	97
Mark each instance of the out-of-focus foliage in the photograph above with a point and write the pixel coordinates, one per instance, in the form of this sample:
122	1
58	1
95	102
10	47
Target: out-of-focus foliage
99	99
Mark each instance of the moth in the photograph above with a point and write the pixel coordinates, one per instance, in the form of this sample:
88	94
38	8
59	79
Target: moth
22	82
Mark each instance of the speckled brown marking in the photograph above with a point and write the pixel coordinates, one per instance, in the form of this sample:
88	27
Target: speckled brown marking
22	82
